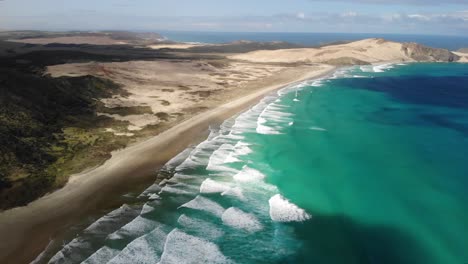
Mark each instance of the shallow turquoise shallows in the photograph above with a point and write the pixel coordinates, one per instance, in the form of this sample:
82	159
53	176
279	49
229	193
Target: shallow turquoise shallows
369	165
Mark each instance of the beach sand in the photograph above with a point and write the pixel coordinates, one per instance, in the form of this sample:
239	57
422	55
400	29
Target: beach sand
26	231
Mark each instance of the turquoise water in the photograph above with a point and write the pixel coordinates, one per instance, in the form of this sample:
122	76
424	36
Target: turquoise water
367	166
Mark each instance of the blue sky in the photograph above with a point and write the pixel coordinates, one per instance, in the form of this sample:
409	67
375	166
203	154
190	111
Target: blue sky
362	16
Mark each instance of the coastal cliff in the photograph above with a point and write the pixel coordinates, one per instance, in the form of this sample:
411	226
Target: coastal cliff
420	52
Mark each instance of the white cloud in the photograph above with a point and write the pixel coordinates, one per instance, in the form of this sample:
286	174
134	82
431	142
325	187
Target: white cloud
349	14
419	17
351	21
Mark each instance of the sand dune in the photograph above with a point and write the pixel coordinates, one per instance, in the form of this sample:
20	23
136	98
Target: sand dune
369	50
463	56
175	88
358	52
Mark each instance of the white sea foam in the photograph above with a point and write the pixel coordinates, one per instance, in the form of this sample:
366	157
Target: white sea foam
213	133
343	73
135	228
366	68
239	219
103	255
72	252
182	177
382	67
147	208
210	186
378	69
190	162
204	228
163	182
143	250
177	160
266	130
111	221
199	156
231	158
204	204
217	161
179	188
183	248
317	83
242	148
154	196
317	128
281	210
272	119
247	121
155	188
248	174
235	192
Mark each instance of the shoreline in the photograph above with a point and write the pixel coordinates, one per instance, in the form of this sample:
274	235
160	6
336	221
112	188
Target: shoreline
30	228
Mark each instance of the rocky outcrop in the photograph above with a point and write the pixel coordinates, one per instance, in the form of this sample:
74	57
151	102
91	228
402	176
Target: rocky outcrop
420	52
463	50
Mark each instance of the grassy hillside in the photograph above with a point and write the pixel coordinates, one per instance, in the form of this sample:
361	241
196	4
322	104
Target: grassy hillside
45	124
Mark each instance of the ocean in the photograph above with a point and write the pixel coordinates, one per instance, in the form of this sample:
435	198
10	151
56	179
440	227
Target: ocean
312	39
367	165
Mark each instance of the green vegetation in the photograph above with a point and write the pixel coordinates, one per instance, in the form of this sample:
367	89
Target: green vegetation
347	61
48	130
123	111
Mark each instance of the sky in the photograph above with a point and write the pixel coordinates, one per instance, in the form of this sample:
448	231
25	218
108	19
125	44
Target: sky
435	17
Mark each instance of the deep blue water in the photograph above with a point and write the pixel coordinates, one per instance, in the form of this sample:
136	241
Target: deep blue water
446	42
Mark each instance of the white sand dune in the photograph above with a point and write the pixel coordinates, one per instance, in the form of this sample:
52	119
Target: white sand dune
364	51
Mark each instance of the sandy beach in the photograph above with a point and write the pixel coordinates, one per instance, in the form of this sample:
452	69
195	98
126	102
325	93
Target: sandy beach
86	192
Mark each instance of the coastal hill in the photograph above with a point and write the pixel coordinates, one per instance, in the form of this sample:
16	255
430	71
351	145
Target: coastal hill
358	52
